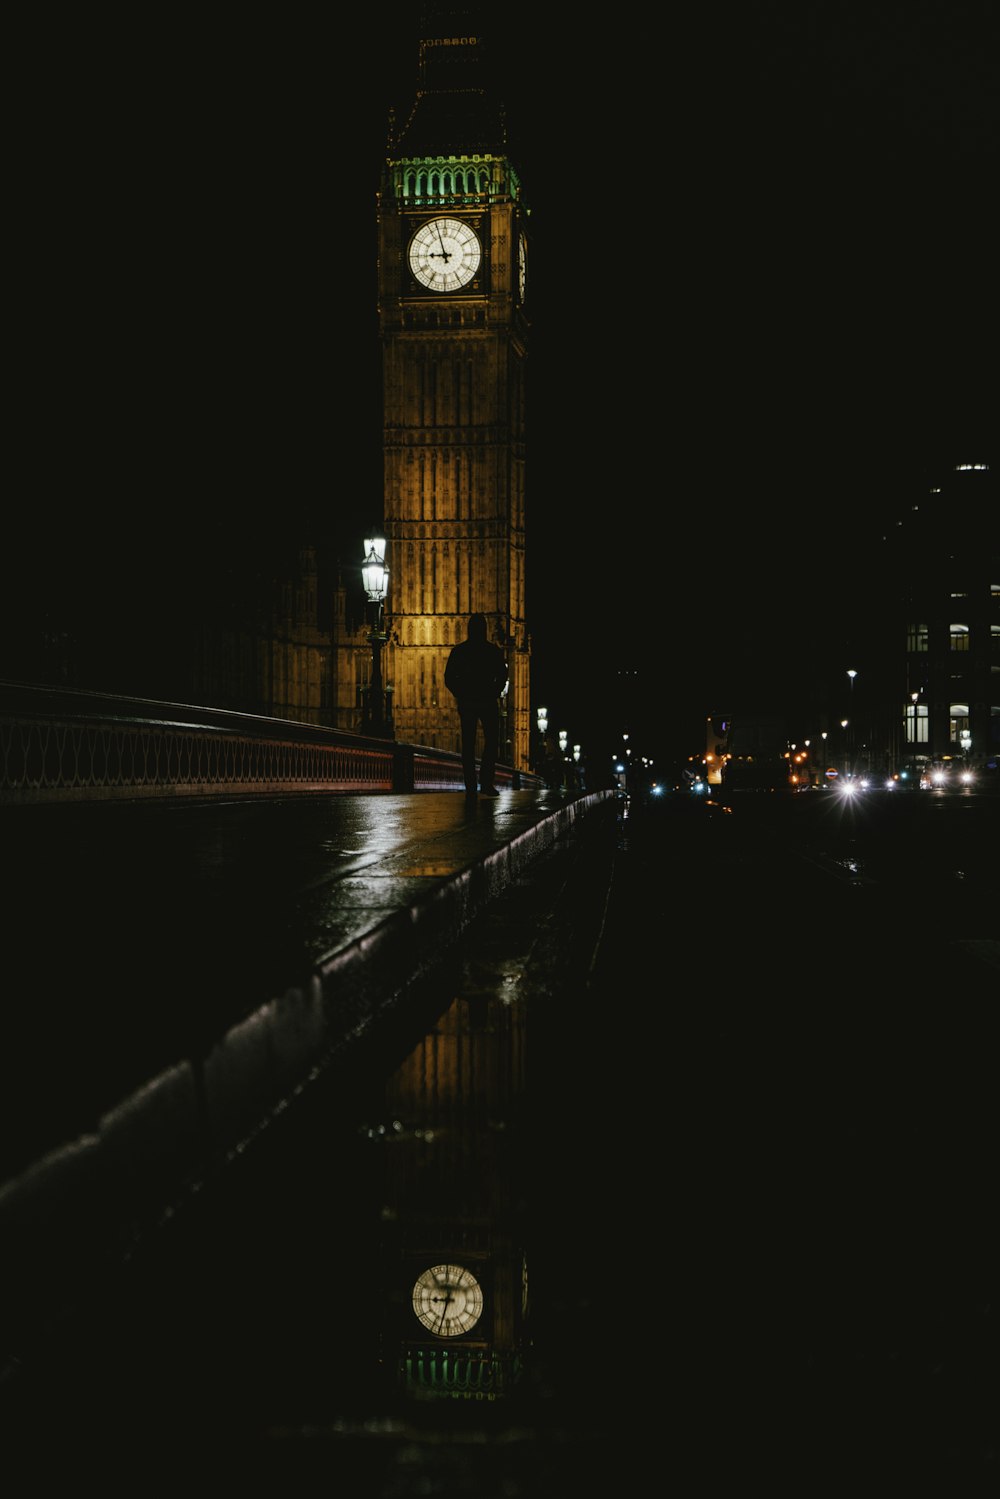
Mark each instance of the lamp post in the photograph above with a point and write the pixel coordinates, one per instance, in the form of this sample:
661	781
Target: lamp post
542	720
375	576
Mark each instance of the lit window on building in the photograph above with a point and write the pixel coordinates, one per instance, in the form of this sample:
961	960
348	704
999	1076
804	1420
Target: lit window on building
916	638
917	724
959	637
958	732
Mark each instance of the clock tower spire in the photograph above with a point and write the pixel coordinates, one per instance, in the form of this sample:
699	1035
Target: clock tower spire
453	323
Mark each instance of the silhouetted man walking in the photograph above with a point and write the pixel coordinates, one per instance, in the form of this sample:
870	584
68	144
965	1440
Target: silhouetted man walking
475	675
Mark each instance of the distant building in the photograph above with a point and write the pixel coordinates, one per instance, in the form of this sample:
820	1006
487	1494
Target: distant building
268	648
924	678
945	563
265	654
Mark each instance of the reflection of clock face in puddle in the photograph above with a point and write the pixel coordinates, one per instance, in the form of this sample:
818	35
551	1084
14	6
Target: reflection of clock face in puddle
448	1300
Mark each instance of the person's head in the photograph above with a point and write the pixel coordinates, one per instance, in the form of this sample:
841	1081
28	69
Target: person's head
477	626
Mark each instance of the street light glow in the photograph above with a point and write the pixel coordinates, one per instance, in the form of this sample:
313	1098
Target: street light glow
374	572
375	577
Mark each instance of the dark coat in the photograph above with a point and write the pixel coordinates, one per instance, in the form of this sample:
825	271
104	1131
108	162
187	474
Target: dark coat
476	672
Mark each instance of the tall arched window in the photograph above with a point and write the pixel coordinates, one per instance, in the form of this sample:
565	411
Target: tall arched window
916	723
959	637
958	729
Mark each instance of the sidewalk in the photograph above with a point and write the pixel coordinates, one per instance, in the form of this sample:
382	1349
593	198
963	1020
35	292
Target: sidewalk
173	972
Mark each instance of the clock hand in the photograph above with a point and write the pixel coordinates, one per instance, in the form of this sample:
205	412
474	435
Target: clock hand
445	254
444	1309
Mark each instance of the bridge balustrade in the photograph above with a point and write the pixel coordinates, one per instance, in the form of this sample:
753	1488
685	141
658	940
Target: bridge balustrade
62	746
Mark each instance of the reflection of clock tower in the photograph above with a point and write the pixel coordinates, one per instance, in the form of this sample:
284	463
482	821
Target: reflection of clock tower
451	280
455	1266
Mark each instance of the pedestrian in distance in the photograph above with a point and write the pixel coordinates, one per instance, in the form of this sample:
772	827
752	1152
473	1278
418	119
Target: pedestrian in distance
476	675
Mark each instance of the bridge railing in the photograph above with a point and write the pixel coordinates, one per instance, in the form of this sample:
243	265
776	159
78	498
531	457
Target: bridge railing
60	746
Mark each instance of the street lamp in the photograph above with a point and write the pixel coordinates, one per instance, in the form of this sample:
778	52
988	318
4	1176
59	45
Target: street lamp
375	576
563	757
541	754
850	740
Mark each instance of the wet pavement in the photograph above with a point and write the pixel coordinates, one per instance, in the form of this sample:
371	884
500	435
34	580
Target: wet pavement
737	1106
138	935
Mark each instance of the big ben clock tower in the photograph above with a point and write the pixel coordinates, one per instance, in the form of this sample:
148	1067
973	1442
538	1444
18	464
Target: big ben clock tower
452	288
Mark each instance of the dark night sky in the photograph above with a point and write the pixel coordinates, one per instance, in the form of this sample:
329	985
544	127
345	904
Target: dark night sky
760	290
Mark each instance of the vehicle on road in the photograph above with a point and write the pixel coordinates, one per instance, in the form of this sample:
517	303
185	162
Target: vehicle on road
948	774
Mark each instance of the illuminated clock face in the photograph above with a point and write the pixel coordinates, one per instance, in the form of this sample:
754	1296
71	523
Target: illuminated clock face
445	254
448	1300
522	262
